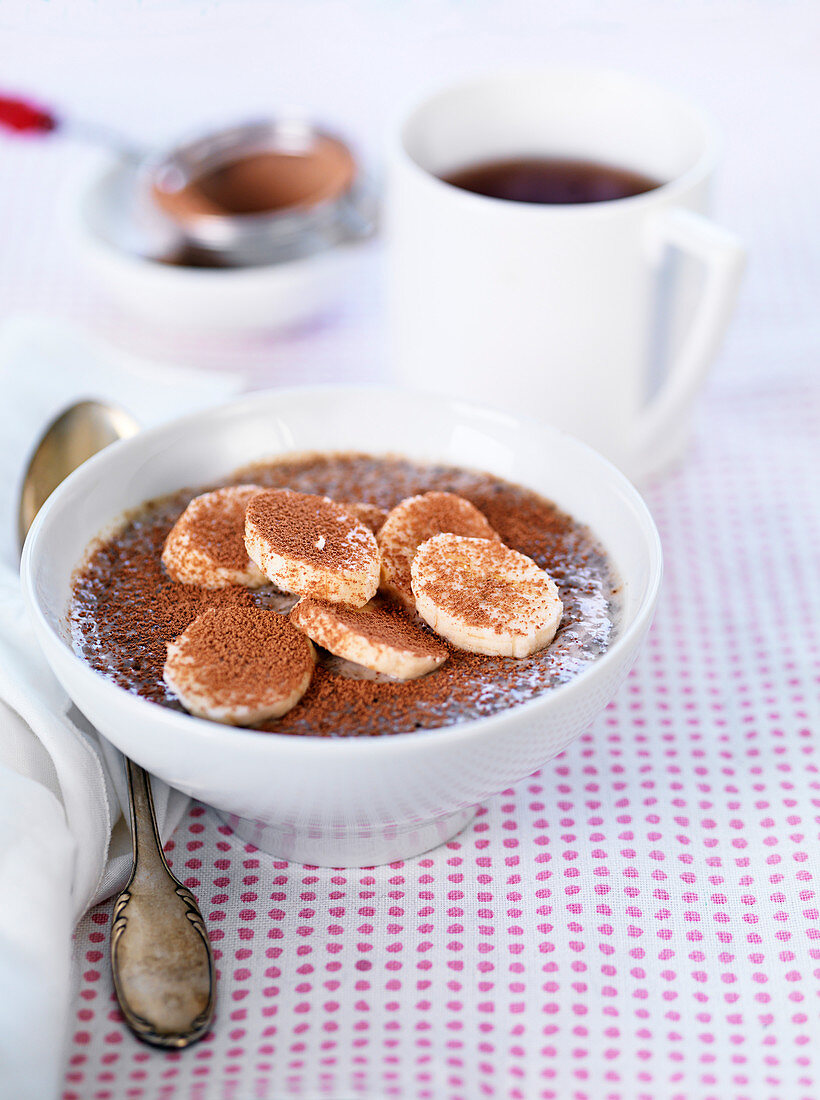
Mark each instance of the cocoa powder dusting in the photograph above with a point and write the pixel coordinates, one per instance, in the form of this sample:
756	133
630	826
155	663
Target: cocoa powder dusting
311	528
221	527
382	622
369	514
125	609
475	582
472	604
419	519
243	654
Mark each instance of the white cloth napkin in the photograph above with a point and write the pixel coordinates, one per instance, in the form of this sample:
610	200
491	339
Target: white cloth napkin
64	844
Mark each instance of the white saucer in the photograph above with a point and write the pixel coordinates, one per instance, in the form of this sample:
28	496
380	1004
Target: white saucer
115	236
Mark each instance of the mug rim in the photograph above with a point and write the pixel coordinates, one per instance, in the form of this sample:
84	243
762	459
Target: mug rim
703	164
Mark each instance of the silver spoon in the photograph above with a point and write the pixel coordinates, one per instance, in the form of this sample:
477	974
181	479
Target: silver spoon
161	956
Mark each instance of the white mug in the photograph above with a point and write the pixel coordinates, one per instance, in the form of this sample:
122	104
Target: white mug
602	317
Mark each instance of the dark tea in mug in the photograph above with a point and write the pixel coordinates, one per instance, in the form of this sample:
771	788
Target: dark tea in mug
550	180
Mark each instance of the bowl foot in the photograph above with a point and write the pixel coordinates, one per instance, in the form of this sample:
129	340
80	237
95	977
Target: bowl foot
353	847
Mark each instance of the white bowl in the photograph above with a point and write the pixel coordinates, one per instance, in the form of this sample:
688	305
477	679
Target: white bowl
346	801
109	227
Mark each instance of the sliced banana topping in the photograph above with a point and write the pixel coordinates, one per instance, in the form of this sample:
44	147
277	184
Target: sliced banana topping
377	636
411	523
371	515
206	545
484	597
239	666
310	546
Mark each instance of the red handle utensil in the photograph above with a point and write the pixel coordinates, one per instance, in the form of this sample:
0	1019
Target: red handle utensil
24	117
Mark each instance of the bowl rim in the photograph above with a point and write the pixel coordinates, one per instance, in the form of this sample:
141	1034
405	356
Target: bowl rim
206	729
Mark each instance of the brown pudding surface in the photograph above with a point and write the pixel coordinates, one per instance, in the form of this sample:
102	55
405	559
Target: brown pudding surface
125	608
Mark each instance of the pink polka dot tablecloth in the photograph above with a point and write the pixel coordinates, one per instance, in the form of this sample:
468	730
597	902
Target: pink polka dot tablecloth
638	921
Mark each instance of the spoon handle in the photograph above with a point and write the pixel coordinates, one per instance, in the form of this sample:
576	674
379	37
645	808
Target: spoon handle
21	115
161	956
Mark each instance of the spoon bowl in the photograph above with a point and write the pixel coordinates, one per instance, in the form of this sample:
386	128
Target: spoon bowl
79	432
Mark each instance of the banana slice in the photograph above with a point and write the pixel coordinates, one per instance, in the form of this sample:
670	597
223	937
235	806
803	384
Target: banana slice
411	523
484	597
310	546
371	515
206	545
239	665
376	636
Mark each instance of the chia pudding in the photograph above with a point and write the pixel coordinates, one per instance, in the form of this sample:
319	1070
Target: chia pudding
126	609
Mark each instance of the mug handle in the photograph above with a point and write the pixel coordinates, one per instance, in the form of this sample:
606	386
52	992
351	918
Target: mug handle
723	256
